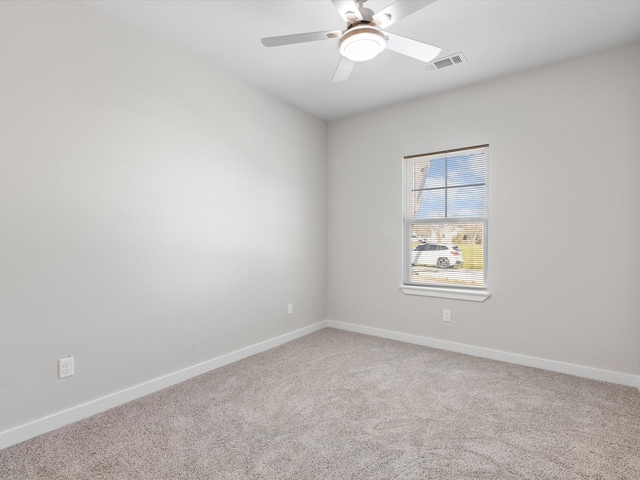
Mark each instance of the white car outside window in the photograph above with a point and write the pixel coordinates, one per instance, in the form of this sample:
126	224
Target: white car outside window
441	256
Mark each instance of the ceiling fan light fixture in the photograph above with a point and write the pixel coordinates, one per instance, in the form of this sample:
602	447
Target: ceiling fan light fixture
362	43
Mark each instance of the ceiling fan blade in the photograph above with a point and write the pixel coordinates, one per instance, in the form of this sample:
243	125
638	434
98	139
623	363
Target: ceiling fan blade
348	10
411	48
344	70
398	10
300	38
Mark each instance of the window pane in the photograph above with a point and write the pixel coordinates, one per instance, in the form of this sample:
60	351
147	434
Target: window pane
428	174
466	169
466	202
435	174
448	254
429	204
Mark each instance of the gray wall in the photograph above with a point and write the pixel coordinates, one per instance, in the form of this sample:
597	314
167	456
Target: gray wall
564	212
154	212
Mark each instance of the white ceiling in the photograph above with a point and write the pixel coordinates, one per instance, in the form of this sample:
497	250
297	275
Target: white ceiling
498	37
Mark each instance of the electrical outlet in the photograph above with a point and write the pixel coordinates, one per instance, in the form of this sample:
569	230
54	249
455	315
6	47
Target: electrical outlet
290	309
446	315
65	367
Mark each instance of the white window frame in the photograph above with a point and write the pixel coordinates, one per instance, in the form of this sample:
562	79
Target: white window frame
477	294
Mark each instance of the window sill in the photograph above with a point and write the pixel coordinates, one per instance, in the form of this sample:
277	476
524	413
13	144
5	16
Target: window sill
471	295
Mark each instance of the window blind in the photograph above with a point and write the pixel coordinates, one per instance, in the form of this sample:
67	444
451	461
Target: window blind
446	218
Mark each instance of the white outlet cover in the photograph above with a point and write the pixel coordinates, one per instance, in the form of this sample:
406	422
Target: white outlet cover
66	367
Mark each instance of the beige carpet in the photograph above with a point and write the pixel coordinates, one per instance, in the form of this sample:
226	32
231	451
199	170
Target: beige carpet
339	405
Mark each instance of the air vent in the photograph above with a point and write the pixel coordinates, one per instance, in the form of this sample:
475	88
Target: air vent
445	62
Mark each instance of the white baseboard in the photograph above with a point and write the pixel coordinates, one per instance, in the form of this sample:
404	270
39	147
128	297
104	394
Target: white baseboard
552	365
66	417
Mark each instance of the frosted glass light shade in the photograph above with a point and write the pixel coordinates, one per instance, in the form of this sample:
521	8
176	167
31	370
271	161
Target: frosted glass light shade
362	43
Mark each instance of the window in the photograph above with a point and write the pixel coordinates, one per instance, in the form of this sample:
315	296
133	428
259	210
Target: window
445	223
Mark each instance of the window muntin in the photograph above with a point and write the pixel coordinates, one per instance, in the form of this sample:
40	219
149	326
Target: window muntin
445	219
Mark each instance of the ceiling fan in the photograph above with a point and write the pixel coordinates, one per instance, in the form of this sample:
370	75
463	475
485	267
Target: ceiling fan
364	37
